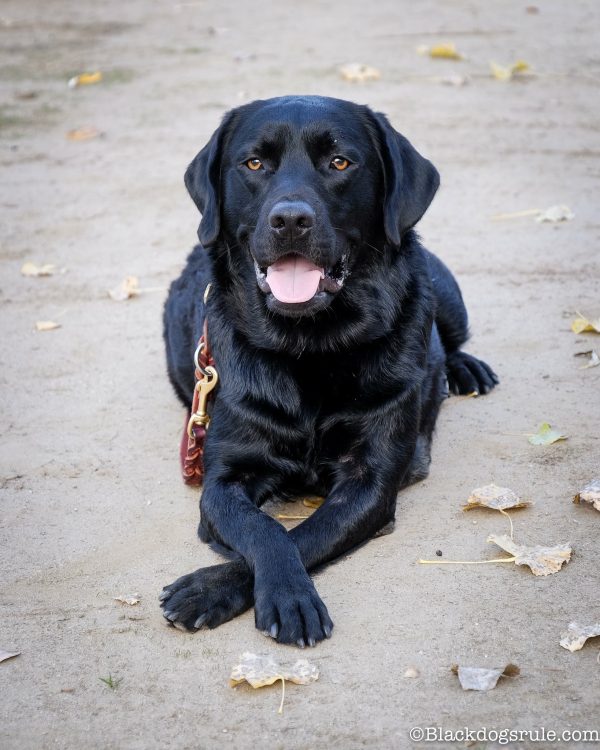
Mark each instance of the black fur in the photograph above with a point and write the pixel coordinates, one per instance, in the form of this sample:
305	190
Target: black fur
337	396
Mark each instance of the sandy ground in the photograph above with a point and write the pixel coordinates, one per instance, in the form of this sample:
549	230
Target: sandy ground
92	503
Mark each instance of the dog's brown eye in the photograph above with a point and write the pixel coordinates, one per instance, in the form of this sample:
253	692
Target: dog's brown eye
254	164
340	163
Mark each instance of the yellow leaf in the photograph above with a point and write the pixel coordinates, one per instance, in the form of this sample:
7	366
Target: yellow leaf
584	325
445	51
85	79
505	73
546	435
83	134
520	66
46	325
500	72
313	501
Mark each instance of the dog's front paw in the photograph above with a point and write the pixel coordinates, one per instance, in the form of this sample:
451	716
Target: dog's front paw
467	374
209	596
288	608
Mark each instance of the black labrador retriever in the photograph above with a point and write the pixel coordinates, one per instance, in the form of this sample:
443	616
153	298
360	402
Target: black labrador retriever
335	335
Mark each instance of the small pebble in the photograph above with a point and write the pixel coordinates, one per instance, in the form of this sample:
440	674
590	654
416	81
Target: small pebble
438	552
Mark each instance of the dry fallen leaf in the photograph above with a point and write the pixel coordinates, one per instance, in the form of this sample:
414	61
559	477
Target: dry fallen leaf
129	287
46	325
505	73
593	361
313	501
577	635
546	435
32	269
358	73
4	655
554	214
585	325
453	80
483	678
542	560
83	134
590	494
497	498
258	671
131	600
84	79
445	51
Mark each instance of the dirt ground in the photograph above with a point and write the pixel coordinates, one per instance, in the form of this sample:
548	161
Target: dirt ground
92	503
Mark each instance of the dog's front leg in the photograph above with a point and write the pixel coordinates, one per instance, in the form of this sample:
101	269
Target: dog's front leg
287	606
273	566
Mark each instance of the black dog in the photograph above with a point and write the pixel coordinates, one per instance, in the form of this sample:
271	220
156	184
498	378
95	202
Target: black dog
335	334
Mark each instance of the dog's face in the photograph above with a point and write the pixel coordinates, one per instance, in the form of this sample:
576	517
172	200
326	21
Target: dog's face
306	191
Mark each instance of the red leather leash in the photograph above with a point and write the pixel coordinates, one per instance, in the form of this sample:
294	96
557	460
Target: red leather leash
196	424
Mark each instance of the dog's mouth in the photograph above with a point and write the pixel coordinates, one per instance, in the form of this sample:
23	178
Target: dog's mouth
294	279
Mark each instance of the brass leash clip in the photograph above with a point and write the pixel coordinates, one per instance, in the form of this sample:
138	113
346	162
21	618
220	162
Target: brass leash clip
203	387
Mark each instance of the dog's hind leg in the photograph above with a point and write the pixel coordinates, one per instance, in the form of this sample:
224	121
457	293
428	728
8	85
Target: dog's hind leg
466	374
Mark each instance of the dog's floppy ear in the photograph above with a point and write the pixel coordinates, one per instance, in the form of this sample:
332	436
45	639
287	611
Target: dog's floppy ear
202	180
410	181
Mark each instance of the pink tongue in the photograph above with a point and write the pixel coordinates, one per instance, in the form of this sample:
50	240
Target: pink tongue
294	279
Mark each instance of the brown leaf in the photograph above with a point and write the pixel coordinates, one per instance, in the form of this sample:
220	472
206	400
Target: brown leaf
497	498
542	560
590	494
483	678
46	325
32	269
576	635
128	288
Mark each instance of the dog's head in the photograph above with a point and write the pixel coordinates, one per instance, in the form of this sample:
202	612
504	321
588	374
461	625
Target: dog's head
308	189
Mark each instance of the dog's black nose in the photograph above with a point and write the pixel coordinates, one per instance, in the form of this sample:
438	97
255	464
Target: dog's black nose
291	219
